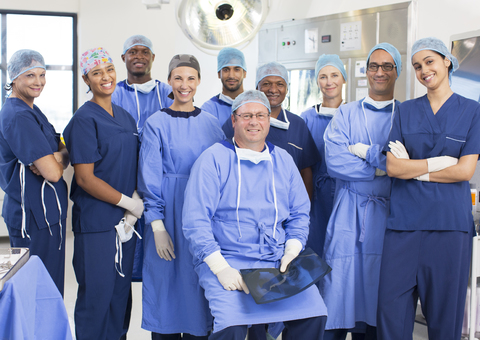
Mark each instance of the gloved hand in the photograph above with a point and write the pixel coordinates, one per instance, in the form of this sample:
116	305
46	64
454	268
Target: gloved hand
380	172
440	163
231	279
134	204
359	150
292	249
423	178
163	242
398	150
228	277
130	221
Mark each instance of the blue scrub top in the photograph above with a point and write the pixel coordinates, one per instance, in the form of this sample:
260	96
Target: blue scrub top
124	96
297	140
93	136
218	108
452	131
26	135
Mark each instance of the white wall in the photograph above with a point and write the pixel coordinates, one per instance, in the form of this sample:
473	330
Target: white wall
108	23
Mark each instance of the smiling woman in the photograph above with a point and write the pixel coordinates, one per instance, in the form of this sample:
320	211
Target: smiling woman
102	140
173	300
32	159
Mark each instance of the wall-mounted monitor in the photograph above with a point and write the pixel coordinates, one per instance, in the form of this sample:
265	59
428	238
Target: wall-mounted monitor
466	80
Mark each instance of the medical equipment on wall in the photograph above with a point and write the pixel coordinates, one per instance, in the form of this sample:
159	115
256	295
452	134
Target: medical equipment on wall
297	44
214	24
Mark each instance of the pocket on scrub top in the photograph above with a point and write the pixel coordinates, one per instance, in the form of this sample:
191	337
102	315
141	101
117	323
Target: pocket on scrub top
453	145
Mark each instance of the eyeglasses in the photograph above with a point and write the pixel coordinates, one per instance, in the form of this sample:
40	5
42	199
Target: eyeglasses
249	116
385	67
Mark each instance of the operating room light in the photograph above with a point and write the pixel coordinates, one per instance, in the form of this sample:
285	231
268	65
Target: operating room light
214	24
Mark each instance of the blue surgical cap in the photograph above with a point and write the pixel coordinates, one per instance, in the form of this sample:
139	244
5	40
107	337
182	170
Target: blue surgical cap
137	40
434	44
332	60
397	59
250	96
271	69
230	56
23	61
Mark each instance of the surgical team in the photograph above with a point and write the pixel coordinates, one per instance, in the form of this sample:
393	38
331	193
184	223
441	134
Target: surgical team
181	197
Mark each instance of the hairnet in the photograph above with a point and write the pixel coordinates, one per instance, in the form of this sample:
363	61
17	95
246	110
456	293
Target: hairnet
230	56
397	59
136	40
271	69
250	96
434	44
92	58
332	60
23	61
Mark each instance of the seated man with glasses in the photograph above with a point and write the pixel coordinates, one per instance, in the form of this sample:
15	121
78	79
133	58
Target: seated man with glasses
245	207
354	140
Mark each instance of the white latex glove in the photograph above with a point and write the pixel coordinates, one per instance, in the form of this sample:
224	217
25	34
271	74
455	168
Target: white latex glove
163	241
134	204
293	247
440	163
380	172
359	150
423	178
228	277
398	150
130	219
231	279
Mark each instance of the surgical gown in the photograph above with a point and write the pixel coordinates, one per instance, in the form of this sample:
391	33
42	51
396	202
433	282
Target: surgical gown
25	136
173	301
297	139
210	224
355	232
324	185
218	108
142	105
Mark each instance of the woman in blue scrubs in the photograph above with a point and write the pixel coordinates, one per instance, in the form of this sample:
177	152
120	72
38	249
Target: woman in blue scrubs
331	75
102	141
432	153
32	160
172	140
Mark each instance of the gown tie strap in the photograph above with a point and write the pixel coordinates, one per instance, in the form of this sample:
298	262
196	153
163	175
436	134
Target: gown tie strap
370	198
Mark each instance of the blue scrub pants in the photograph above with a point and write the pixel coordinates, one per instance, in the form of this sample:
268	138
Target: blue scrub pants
178	336
102	293
45	246
430	265
341	334
311	329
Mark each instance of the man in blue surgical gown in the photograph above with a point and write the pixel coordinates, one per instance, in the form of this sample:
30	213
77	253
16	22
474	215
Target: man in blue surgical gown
246	207
232	69
354	140
139	94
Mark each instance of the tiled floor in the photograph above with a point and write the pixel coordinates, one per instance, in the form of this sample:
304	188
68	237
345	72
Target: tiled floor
135	332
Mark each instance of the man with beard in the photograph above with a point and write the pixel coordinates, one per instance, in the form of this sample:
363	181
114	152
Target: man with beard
139	94
231	68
